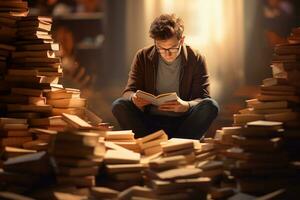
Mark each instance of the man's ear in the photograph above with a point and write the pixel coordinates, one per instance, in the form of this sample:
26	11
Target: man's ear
182	40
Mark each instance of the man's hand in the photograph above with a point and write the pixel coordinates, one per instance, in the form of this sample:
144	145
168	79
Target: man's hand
175	106
139	102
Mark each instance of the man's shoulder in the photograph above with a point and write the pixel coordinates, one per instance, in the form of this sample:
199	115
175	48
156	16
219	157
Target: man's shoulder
145	51
194	53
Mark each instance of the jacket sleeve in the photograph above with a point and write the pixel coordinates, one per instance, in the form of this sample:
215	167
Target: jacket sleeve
200	82
135	78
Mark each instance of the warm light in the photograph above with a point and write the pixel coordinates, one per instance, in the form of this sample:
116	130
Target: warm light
216	29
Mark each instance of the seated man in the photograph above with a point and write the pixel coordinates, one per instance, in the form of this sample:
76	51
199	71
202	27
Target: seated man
167	66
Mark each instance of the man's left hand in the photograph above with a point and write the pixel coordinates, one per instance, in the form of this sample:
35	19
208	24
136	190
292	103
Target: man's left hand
175	106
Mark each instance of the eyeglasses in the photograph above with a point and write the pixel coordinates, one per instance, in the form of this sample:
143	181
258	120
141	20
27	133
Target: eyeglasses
169	50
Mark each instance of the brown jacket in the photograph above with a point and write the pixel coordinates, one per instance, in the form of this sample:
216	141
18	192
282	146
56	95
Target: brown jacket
194	83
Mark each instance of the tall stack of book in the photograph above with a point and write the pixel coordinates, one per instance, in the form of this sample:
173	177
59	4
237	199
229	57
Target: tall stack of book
10	12
78	156
150	144
5	52
32	81
29	85
262	147
288	69
279	97
28	74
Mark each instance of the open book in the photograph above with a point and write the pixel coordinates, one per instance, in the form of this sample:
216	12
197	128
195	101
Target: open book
157	100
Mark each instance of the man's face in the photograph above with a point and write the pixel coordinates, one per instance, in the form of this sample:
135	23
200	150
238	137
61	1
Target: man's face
169	49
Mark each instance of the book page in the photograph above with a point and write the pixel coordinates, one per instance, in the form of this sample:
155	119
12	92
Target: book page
163	98
147	96
157	100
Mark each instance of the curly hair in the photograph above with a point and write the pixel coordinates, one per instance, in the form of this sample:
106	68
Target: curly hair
166	26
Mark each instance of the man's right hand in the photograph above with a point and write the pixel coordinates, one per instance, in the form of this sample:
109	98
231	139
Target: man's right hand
139	102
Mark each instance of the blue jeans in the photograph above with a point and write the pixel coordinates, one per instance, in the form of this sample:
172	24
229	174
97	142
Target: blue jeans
193	124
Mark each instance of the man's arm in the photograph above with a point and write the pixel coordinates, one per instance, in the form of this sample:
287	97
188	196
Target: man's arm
200	84
135	77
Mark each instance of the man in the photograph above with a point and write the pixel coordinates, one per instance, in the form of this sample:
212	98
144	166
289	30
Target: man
167	66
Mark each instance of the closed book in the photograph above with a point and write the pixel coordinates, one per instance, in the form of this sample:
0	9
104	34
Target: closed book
49	121
76	122
39	47
29	108
40	25
38	54
67	103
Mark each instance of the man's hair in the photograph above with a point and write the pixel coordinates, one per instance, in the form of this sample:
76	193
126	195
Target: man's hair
166	26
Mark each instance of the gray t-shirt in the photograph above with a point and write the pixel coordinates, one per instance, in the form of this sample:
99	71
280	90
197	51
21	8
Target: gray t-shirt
167	81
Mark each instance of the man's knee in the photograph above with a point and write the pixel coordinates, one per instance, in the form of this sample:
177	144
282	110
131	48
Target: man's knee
120	105
211	106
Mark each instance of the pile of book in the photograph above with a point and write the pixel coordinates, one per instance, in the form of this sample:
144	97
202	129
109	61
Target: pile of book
10	11
122	168
279	97
287	70
14	132
178	146
42	139
28	73
262	146
174	177
150	144
123	138
78	156
253	150
5	52
65	100
25	173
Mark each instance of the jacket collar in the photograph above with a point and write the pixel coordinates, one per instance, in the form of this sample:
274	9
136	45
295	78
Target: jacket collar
153	55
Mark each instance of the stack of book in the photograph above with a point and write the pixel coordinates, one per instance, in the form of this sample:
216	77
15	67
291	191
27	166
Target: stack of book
42	139
122	167
65	100
10	152
174	177
10	12
78	156
55	123
123	138
150	144
261	147
279	96
254	147
178	146
24	173
287	69
34	67
204	151
14	132
5	52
